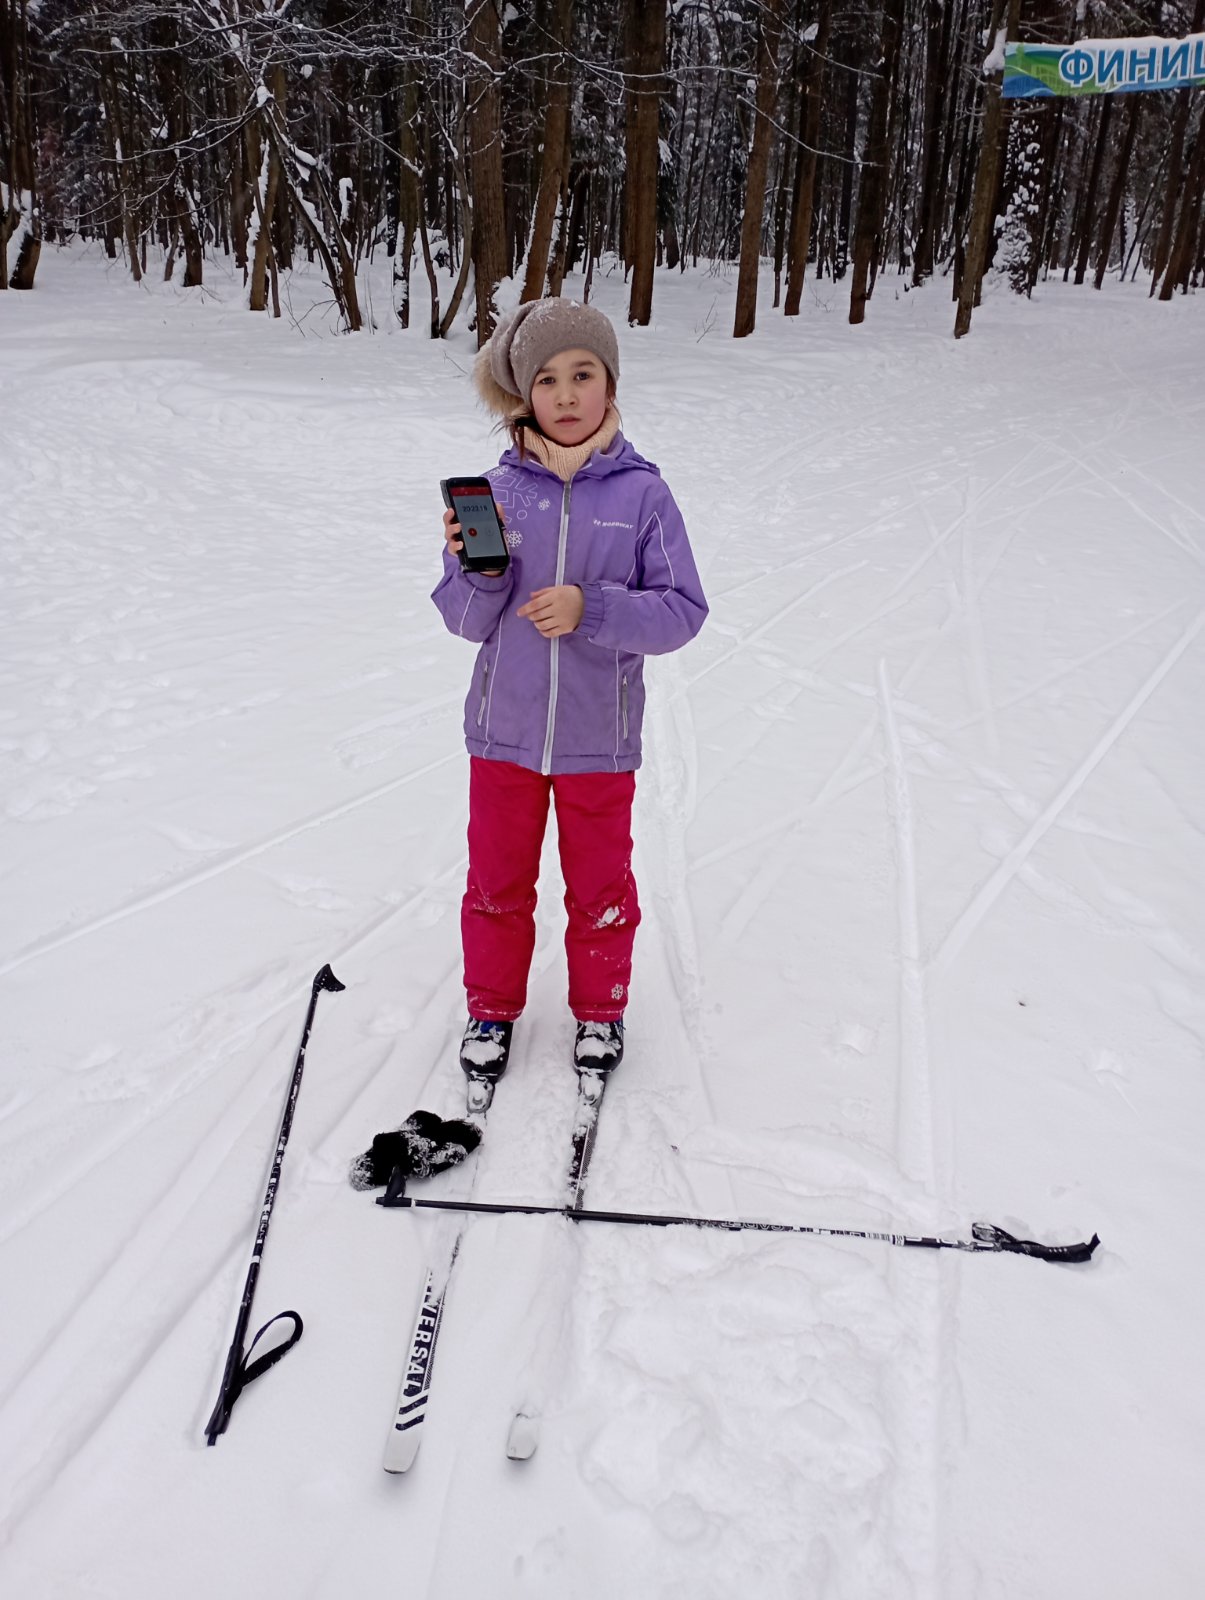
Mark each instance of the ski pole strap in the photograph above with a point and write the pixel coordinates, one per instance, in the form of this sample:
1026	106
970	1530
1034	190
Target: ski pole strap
984	1235
243	1370
249	1370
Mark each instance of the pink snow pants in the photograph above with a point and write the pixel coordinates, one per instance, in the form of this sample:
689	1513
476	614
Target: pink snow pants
508	810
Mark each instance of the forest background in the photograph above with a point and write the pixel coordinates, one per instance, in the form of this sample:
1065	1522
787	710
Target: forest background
473	142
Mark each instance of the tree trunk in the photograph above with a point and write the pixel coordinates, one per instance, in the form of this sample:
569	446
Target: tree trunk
1052	140
328	242
432	280
1141	229
409	194
957	116
554	165
560	249
485	160
987	175
588	281
645	58
21	143
802	201
577	238
1117	192
937	51
468	229
9	216
1175	166
769	33
8	222
282	223
265	200
964	183
194	254
780	224
1088	215
872	187
171	73
118	149
27	261
1180	259
849	155
238	180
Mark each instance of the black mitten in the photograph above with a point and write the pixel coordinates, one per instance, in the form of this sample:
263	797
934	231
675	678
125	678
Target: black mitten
408	1147
457	1139
424	1144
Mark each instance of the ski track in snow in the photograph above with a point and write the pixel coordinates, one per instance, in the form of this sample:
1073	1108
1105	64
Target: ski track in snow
922	732
754	895
986	896
236	858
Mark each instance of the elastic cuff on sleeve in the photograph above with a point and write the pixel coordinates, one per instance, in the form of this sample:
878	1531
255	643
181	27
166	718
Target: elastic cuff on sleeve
479	580
592	616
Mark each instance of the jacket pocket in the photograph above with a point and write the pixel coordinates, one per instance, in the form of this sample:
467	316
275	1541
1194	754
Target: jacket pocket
623	704
485	683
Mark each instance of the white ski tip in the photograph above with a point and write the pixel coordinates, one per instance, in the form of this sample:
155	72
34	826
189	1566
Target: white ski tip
523	1438
591	1085
406	1434
401	1450
479	1096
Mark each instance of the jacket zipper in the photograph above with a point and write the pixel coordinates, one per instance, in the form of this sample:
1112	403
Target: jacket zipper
554	662
485	683
623	704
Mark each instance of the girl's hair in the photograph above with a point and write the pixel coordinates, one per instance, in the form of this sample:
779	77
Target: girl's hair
513	426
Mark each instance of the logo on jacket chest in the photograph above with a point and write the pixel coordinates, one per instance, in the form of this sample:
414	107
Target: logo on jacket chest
517	496
599	522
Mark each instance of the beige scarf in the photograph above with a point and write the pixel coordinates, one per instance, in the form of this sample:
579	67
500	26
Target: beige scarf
565	460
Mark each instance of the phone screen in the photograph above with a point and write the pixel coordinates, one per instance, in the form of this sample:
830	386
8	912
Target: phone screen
478	523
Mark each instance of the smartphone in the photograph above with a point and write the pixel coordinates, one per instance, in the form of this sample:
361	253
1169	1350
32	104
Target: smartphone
482	539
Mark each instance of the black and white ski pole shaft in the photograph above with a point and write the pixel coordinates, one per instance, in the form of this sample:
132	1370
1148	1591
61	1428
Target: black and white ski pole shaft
240	1370
984	1235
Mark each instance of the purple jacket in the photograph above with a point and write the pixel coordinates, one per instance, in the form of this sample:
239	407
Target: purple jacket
574	704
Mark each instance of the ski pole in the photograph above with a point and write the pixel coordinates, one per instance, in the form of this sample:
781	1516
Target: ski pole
984	1235
240	1370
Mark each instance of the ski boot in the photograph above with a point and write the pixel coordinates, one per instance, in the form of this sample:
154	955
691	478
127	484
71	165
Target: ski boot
484	1053
597	1051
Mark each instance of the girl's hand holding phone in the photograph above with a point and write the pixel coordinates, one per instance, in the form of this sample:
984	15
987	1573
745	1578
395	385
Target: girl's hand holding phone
556	610
456	544
452	533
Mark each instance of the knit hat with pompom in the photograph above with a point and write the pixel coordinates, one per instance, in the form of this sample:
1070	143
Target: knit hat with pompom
527	338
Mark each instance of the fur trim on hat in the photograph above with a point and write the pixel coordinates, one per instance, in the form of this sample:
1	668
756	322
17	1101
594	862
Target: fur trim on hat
500	401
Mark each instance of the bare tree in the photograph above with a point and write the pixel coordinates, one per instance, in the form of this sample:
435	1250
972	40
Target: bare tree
645	53
1117	192
554	162
485	159
872	191
1181	256
1004	26
806	158
769	32
18	133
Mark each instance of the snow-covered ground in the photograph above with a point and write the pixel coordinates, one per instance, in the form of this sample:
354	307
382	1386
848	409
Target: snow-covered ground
921	842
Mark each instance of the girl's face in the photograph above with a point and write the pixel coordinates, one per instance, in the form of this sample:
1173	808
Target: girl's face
569	397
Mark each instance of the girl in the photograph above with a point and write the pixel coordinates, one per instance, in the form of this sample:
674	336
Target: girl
601	575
